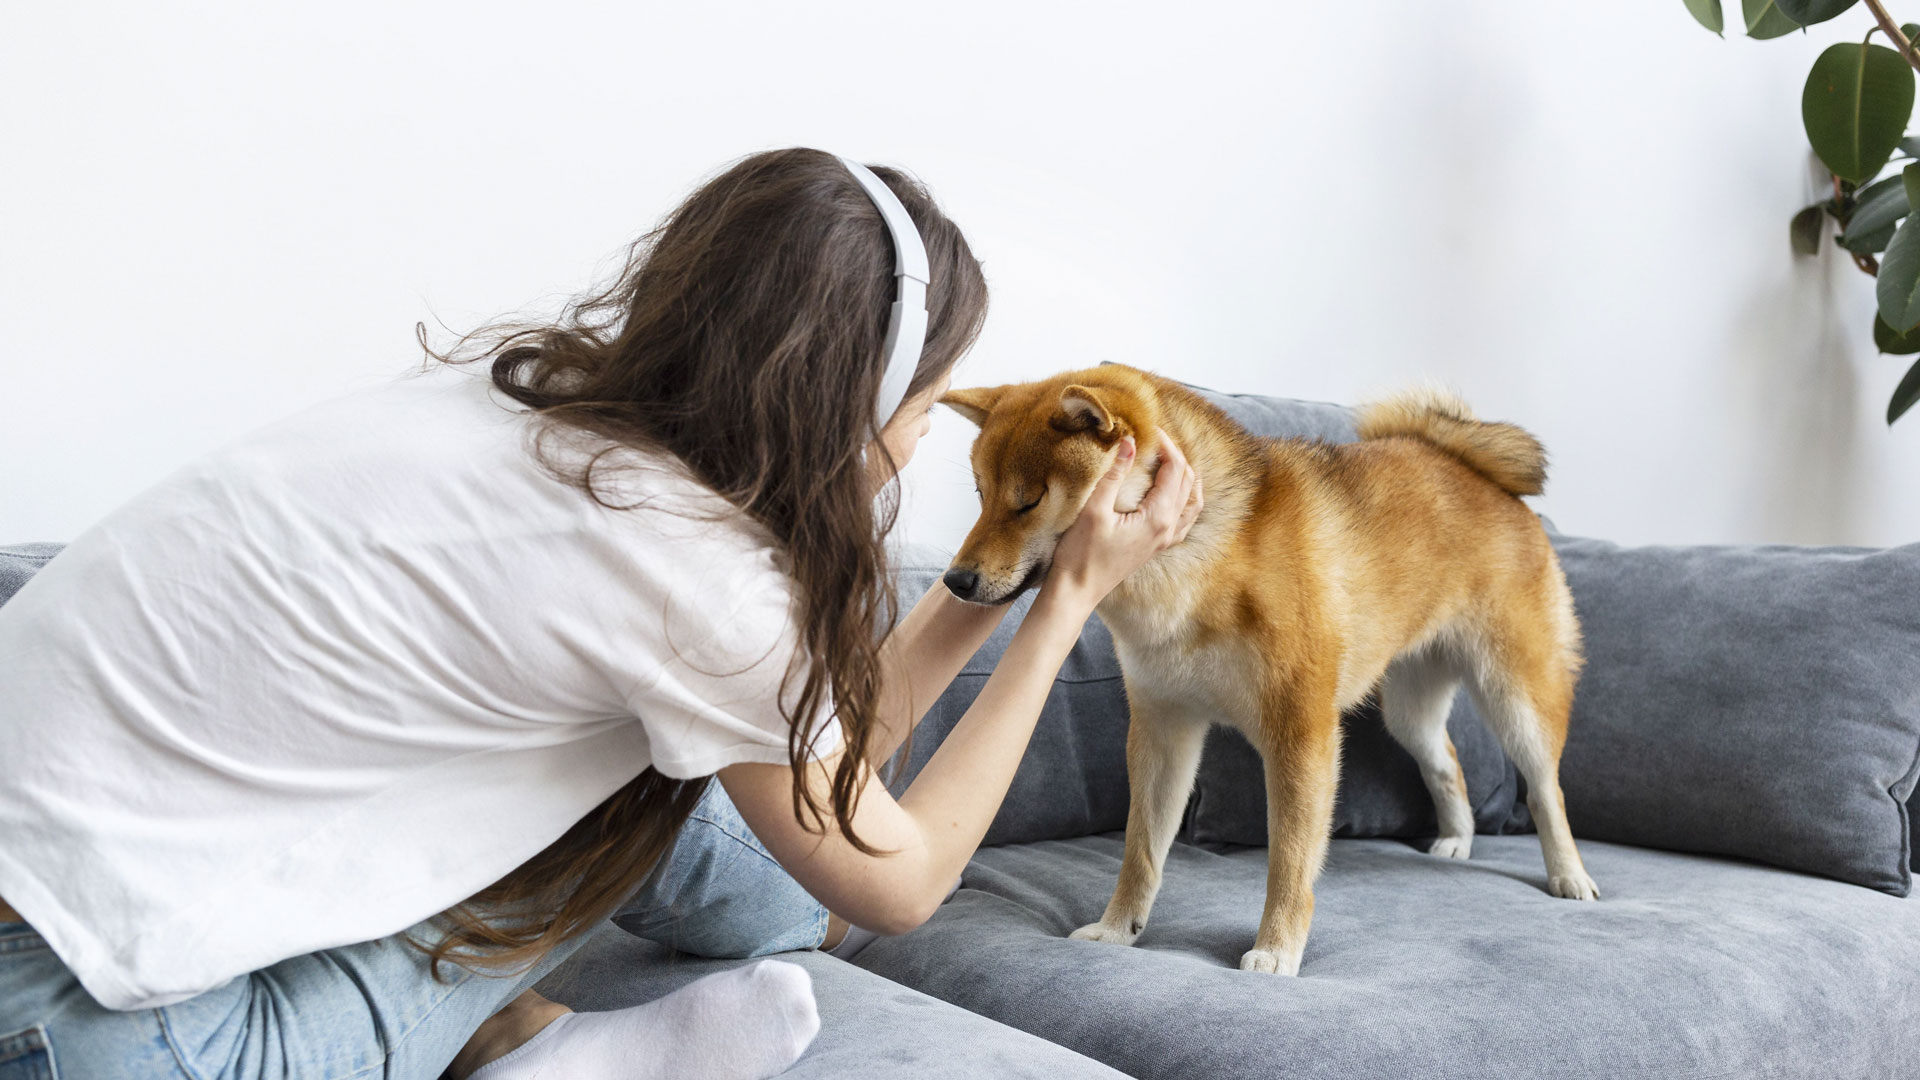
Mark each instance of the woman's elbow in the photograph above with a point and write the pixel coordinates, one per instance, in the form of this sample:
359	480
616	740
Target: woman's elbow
906	913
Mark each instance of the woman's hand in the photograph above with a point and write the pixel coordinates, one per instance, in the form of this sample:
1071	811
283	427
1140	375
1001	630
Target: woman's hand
933	828
1104	545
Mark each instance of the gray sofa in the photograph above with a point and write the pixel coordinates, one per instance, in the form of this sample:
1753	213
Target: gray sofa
1749	726
1741	793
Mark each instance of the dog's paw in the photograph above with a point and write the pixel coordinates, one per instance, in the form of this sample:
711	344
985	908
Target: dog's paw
1452	847
1103	932
1271	961
1575	886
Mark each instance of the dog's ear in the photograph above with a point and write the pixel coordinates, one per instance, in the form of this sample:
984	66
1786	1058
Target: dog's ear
1082	409
974	403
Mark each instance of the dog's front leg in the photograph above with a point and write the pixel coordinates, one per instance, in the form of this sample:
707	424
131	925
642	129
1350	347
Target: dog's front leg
1301	748
1163	752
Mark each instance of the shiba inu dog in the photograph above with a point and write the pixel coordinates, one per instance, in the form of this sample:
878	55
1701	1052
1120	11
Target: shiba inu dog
1315	575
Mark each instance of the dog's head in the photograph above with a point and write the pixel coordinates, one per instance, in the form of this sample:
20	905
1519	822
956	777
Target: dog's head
1042	447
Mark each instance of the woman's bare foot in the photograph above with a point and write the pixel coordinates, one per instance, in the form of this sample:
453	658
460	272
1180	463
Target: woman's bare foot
504	1032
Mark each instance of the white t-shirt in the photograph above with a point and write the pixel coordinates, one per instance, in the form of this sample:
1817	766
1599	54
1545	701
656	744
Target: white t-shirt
345	672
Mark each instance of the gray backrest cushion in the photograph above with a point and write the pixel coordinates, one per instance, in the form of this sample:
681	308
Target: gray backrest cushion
1761	702
1380	793
18	562
1073	779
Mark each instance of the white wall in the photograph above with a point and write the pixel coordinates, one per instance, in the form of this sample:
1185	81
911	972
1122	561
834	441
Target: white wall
1575	213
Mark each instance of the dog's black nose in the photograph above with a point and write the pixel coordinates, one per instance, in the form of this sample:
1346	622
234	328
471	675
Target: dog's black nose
961	583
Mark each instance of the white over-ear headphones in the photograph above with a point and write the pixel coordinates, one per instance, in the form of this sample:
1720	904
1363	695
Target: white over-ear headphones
907	325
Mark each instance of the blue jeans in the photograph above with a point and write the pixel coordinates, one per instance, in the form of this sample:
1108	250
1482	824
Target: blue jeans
373	1010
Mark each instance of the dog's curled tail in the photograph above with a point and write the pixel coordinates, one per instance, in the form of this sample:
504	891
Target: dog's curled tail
1503	453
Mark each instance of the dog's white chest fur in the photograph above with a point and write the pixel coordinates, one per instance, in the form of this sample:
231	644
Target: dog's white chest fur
1151	617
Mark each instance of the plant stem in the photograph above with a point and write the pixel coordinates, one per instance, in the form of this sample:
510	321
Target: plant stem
1892	30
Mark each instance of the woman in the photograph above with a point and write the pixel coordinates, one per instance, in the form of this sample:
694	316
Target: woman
324	750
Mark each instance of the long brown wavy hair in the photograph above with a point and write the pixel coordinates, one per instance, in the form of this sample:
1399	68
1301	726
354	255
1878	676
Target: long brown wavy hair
743	336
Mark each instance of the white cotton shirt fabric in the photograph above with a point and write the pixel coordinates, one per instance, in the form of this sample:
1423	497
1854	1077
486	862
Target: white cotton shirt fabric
345	672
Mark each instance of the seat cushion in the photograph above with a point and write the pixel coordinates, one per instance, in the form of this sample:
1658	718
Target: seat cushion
1421	966
870	1028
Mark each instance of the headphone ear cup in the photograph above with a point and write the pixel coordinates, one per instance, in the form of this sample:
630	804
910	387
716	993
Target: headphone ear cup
908	324
907	321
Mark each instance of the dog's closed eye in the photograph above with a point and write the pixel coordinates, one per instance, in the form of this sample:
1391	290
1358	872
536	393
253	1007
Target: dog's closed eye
1034	503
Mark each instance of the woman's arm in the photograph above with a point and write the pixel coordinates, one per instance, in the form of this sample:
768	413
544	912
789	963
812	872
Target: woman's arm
927	836
921	657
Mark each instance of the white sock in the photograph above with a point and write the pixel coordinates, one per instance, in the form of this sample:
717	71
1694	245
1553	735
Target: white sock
745	1024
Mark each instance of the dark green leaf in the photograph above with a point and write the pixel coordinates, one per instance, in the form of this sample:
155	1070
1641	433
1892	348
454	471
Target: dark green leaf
1910	180
1856	105
1876	210
1804	232
1808	12
1905	394
1889	340
1764	19
1910	146
1707	12
1912	30
1898	286
1878	189
1868	243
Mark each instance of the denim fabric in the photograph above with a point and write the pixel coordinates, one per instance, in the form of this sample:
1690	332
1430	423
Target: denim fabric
720	894
373	1010
363	1011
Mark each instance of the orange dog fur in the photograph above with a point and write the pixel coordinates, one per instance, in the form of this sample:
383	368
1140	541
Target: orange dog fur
1315	575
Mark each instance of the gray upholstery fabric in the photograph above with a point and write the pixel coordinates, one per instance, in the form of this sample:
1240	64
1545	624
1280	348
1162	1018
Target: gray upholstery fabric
1432	968
1754	701
18	562
1380	792
870	1028
1073	779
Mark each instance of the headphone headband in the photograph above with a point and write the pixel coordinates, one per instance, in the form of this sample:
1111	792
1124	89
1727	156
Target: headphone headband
907	322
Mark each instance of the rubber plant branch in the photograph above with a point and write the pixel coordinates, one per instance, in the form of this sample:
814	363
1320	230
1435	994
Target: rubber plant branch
1892	30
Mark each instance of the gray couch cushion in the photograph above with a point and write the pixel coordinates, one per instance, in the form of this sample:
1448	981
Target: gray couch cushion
870	1028
1433	968
18	562
1754	701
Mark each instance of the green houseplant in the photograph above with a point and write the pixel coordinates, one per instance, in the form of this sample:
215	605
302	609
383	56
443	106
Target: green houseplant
1856	104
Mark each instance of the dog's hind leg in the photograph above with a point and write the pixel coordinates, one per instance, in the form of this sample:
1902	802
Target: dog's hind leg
1416	696
1163	753
1525	691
